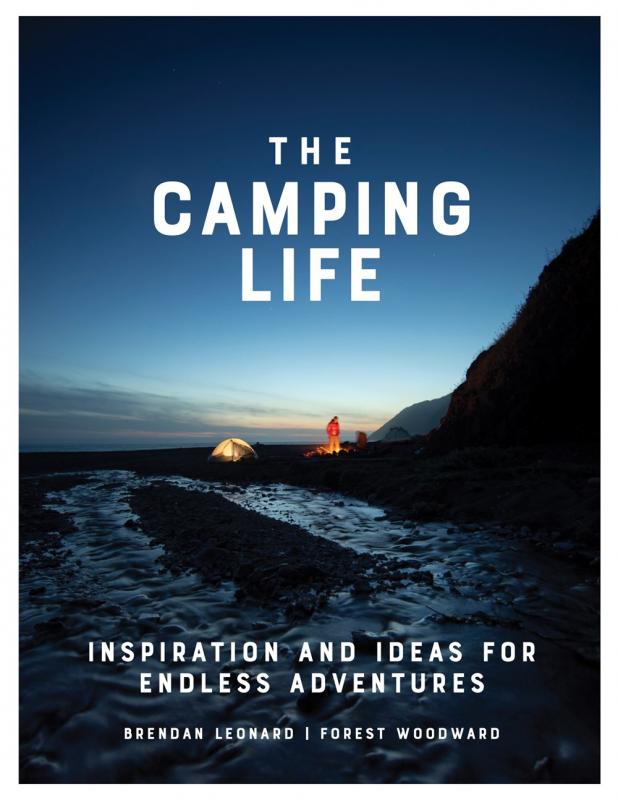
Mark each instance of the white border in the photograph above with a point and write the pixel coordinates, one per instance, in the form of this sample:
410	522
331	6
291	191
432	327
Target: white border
8	348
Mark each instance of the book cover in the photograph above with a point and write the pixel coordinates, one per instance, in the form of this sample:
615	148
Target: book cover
309	400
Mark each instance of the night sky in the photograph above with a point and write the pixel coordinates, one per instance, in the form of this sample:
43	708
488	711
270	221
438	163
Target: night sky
131	338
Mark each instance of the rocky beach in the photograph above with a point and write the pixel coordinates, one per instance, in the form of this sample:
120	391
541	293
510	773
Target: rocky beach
143	555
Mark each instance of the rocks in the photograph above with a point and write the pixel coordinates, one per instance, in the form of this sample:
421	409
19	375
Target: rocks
331	479
422	576
362	587
51	629
272	562
35	521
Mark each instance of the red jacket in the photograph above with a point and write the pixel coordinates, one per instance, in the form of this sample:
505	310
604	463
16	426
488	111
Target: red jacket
332	429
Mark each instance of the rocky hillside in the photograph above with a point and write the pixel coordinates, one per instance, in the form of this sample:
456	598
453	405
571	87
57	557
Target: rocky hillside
539	383
416	419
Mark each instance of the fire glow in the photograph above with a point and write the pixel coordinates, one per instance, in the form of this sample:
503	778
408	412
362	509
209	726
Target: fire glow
323	450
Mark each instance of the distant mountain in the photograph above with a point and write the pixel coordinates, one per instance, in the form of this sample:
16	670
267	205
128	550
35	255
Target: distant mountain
539	383
416	419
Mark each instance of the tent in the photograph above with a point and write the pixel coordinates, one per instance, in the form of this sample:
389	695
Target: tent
396	434
232	450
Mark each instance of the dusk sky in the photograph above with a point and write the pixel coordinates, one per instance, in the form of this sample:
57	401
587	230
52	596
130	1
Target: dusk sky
131	338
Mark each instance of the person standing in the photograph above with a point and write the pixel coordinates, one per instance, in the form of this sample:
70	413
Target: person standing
332	429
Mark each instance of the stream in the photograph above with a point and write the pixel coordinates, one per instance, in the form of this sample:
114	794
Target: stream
105	582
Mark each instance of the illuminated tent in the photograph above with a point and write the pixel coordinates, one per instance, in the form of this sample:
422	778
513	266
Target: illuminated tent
232	450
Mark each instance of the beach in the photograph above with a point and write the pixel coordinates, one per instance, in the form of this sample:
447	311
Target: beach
169	547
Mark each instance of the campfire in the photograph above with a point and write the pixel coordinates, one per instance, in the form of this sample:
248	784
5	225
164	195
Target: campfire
322	450
334	447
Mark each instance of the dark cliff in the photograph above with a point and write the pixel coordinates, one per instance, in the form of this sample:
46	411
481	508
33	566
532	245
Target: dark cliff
539	383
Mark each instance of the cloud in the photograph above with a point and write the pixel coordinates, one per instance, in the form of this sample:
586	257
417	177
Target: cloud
55	414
